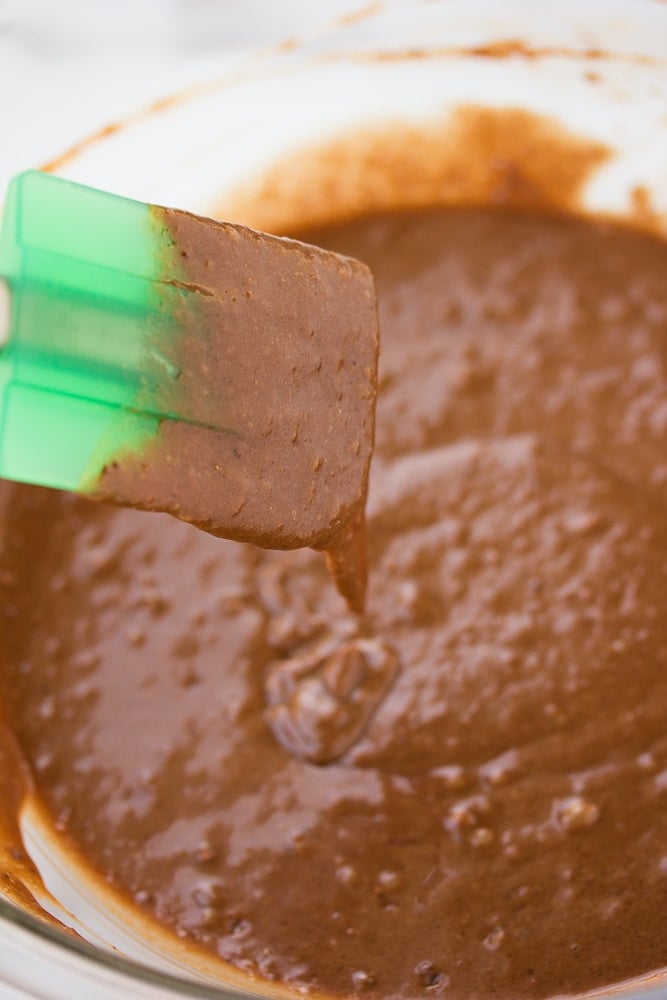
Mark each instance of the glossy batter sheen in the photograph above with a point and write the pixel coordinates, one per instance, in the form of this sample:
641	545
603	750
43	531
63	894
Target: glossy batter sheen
465	793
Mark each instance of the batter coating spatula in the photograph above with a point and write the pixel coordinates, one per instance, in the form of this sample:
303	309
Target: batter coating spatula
162	360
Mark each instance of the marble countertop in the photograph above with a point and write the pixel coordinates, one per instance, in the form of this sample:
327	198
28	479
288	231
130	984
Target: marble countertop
69	67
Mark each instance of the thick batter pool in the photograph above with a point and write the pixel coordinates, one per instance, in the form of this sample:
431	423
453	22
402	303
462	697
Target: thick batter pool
463	793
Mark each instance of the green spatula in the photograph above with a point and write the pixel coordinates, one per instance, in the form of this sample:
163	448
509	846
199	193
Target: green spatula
80	269
122	324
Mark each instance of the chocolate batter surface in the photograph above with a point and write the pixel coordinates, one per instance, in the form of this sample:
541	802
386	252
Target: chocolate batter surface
464	793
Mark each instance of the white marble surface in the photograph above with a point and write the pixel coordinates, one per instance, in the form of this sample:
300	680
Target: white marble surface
68	67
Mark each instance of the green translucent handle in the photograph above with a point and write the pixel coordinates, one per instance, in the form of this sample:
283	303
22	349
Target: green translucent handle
83	270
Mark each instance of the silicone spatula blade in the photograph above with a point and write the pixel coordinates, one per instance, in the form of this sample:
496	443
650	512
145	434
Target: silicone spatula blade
78	267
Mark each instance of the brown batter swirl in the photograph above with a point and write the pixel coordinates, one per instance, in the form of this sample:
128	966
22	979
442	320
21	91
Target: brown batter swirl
462	794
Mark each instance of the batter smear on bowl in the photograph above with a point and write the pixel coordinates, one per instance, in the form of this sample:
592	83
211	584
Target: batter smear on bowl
463	792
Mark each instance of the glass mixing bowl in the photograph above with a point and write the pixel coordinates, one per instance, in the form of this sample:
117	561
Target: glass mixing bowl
596	68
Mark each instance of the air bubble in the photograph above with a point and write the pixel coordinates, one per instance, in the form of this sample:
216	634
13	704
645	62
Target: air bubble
47	708
646	761
143	898
388	879
362	980
347	874
452	775
494	939
660	782
576	813
482	837
429	976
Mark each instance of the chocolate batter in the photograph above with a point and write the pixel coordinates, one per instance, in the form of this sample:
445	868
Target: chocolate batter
271	372
462	794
